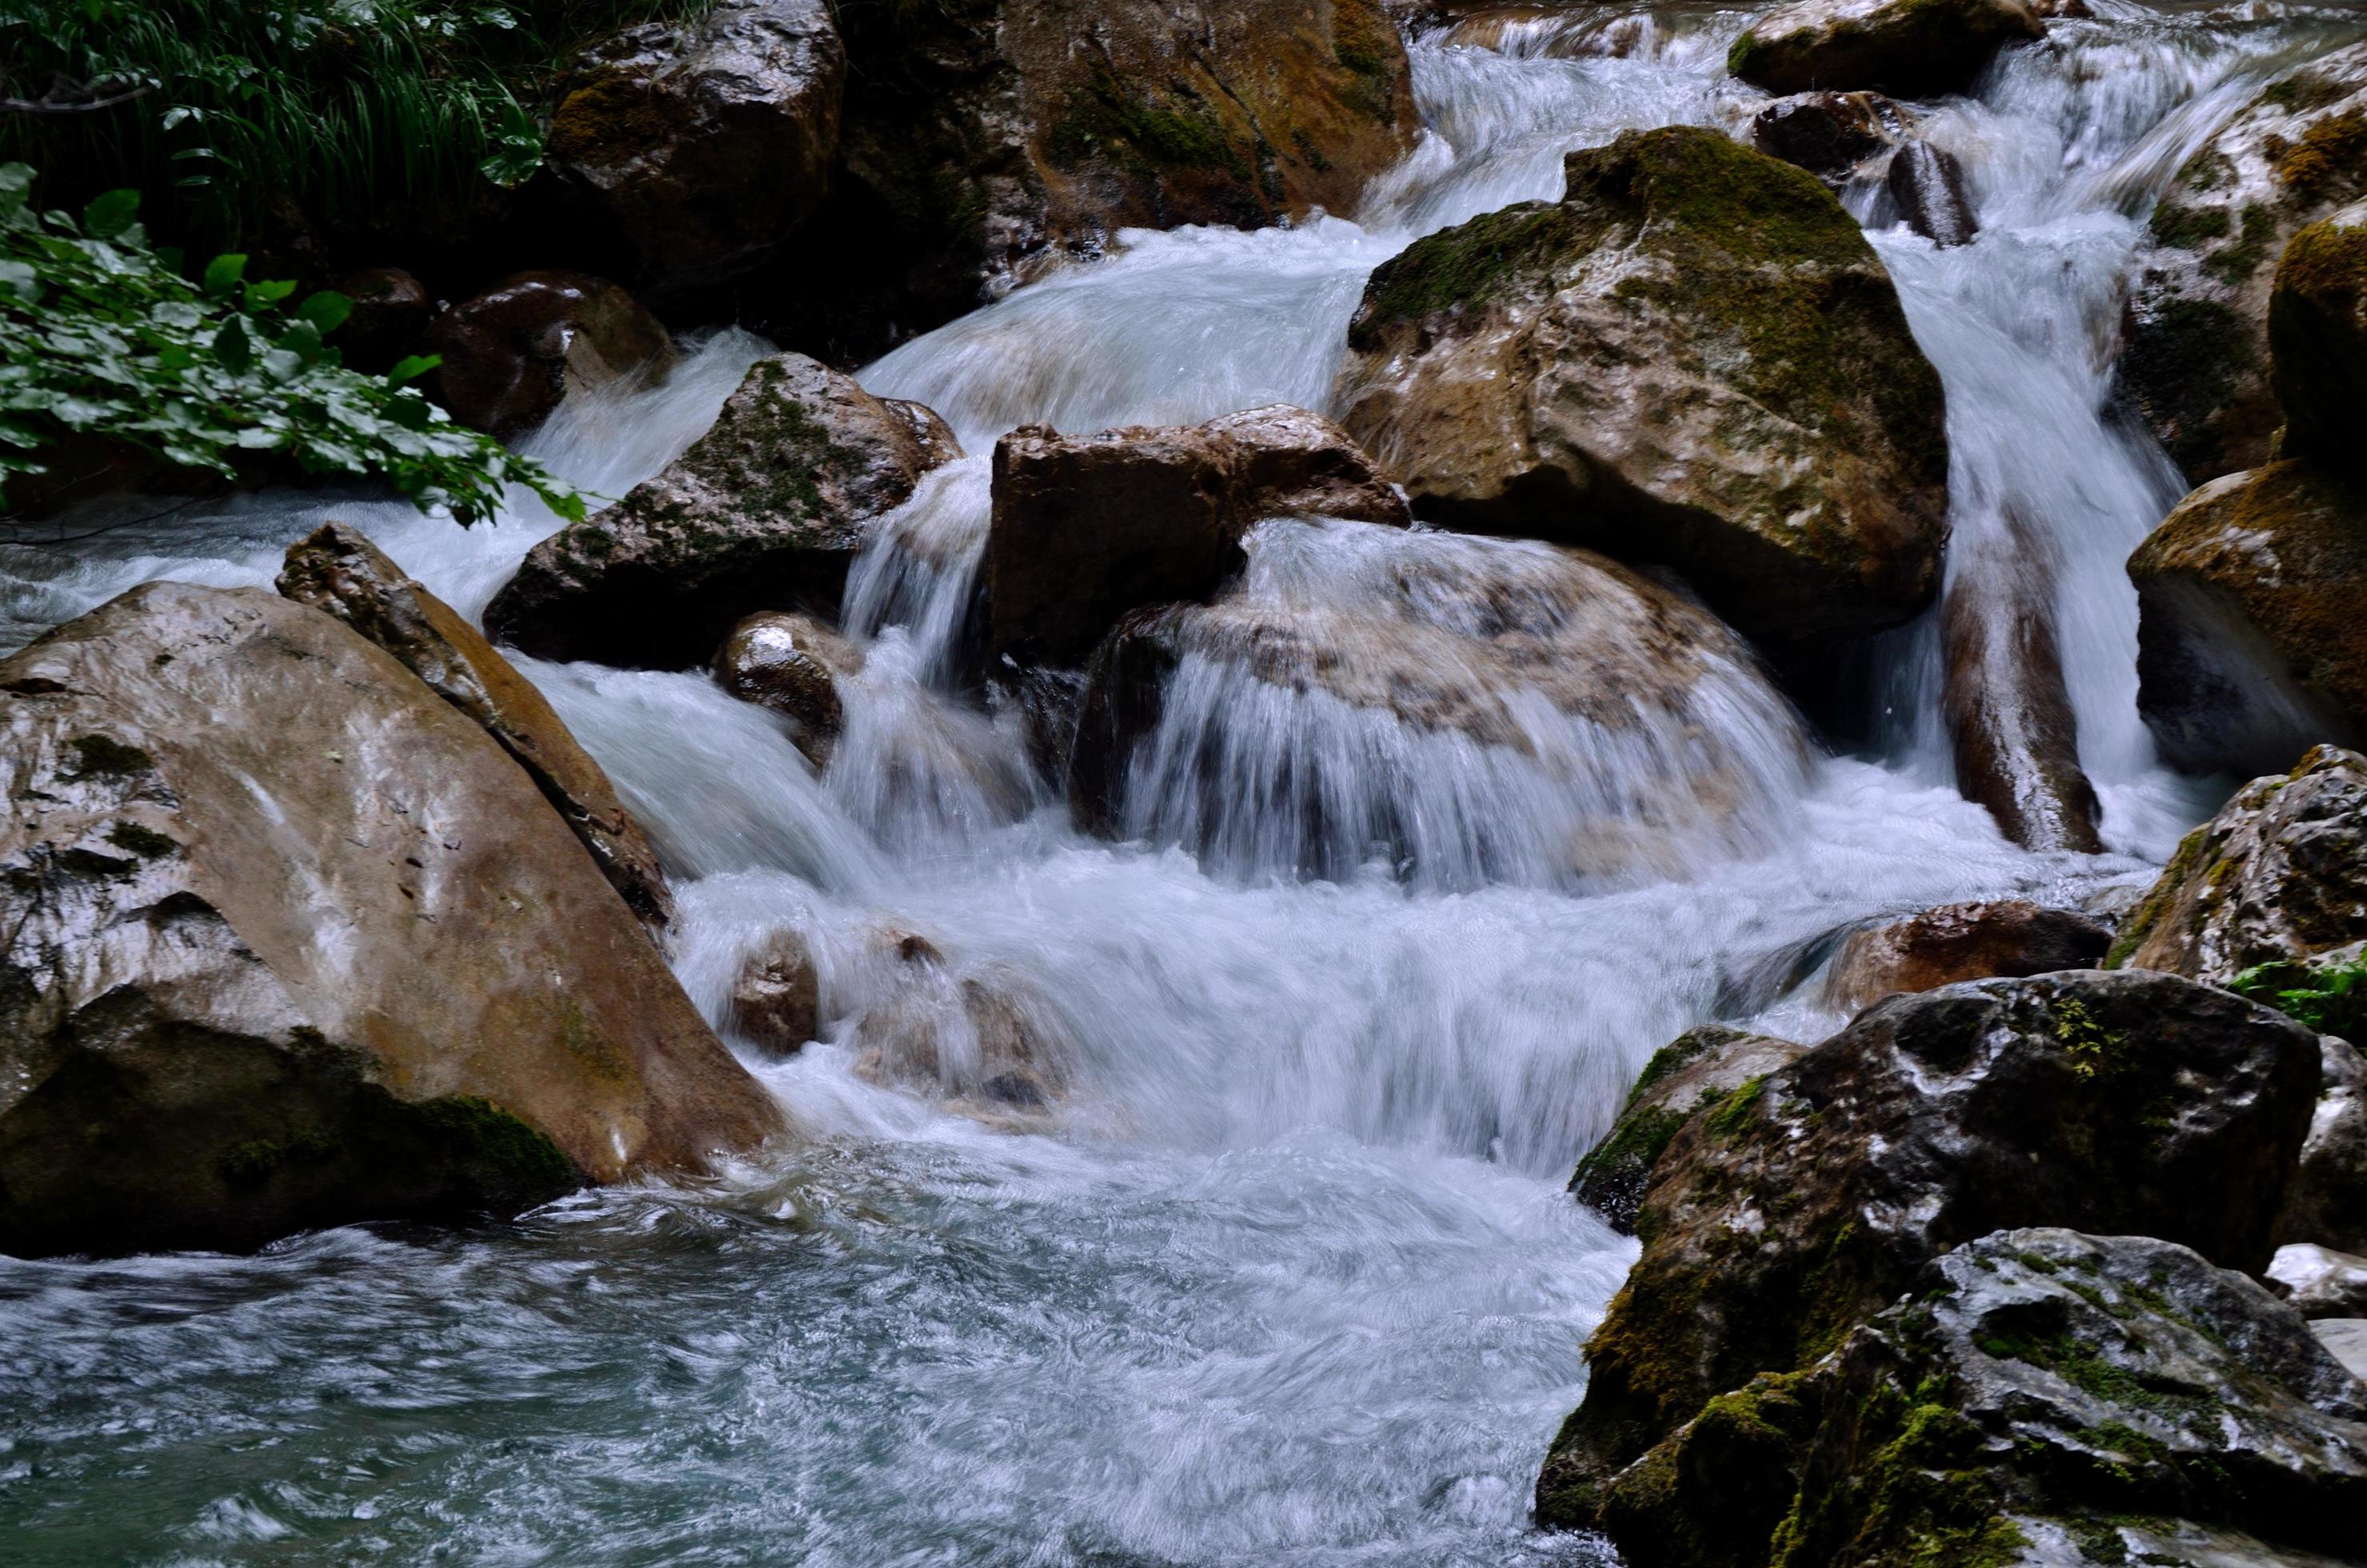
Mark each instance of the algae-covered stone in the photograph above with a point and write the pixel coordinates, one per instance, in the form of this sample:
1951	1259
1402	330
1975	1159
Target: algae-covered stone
766	511
1697	1069
1694	357
2318	341
2250	641
290	941
1913	48
2277	877
1809	1200
2196	360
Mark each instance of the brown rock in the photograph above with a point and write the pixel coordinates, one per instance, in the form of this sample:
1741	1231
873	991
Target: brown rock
389	321
1927	185
337	570
765	511
2317	339
1830	134
513	352
777	1002
982	1040
2010	938
791	665
297	944
1913	48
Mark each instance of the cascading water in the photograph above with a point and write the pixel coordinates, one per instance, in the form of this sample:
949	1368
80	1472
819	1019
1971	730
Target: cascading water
1270	1261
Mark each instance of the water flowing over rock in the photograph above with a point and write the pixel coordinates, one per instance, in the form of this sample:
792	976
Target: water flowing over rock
511	353
791	665
2279	876
763	512
706	143
2010	939
777	1002
1927	185
1830	134
978	1037
2011	725
2196	361
1914	48
2327	1202
2317	337
1698	1069
337	570
2040	1396
2250	644
2111	1102
1467	709
2318	1283
1694	357
1086	527
293	942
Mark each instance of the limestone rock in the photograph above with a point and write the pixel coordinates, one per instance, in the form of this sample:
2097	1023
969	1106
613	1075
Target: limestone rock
2317	340
2114	1103
765	511
1830	134
1914	48
2196	360
1087	528
2250	645
2325	1202
706	143
791	665
513	352
1697	1069
2277	877
2319	1282
777	1002
1694	357
292	942
2010	938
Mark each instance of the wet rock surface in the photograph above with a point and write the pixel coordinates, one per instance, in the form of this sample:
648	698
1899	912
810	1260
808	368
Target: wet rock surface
1698	1069
2012	730
338	571
1927	185
776	1000
511	353
979	1036
791	665
1809	1200
2277	877
2317	339
1087	528
2195	364
2325	1203
706	142
2318	1283
1695	357
763	512
390	318
1912	48
292	942
2249	642
2007	938
1830	134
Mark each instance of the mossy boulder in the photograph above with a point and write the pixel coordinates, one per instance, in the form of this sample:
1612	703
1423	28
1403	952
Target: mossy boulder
2277	877
2196	363
291	942
1694	357
1697	1070
2317	339
1913	48
1811	1198
766	511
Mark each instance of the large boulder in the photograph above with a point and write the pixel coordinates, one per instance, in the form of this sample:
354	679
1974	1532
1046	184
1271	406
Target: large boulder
337	570
766	511
986	140
2196	361
292	942
2317	339
2250	645
1809	1200
1916	49
2009	939
1697	1070
1694	357
513	352
1087	528
2040	1397
2277	877
705	143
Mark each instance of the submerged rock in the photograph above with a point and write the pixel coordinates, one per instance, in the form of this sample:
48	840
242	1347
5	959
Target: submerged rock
1694	357
2011	725
1927	185
979	1036
2196	360
776	1000
1697	1069
1830	134
2112	1102
1087	528
705	143
513	352
292	942
1914	48
765	511
2277	877
2010	939
2250	643
2317	339
337	570
791	665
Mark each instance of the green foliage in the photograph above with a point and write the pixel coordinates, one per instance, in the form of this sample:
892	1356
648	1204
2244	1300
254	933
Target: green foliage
100	335
2332	1000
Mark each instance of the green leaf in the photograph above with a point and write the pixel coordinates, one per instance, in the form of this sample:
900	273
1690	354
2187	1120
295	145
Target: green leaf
110	214
223	272
262	296
15	185
411	368
231	347
326	311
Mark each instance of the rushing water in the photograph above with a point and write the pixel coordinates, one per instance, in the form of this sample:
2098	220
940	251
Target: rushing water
1280	1269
